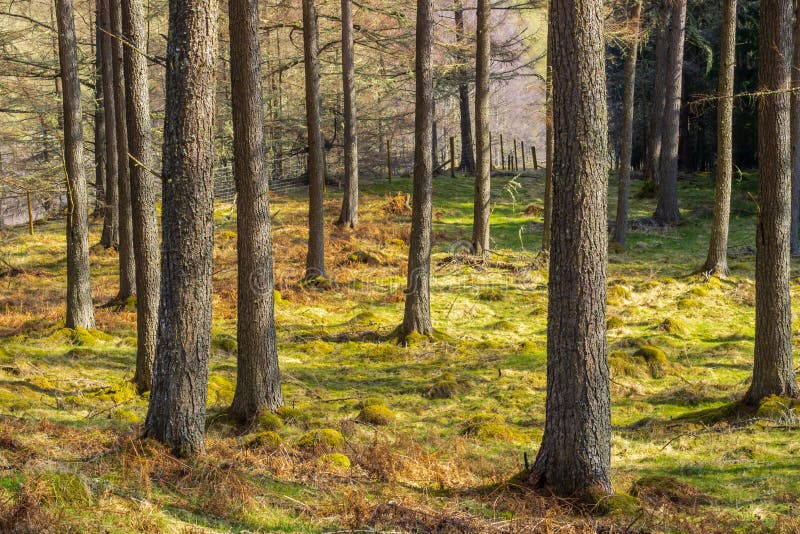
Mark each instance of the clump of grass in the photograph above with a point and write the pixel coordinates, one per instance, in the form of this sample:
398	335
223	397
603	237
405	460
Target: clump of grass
613	322
325	439
658	490
489	427
779	409
673	326
504	326
220	391
291	415
622	364
491	294
446	387
376	414
617	294
655	358
370	401
613	504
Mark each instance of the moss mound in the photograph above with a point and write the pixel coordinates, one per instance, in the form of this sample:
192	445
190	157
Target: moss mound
778	409
446	387
376	414
220	391
224	342
504	326
268	421
699	291
614	504
326	439
658	490
489	427
117	394
335	459
364	319
491	295
268	439
655	358
673	326
622	364
370	401
689	303
614	322
127	416
617	294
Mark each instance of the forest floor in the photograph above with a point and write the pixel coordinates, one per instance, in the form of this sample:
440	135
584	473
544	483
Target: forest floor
455	417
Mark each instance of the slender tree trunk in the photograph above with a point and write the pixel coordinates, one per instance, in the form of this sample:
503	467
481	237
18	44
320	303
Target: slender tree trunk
176	414
143	191
315	259
656	126
482	209
80	313
667	211
574	456
795	133
417	316
258	385
349	214
547	225
717	260
110	236
467	154
621	227
99	127
773	372
127	264
435	136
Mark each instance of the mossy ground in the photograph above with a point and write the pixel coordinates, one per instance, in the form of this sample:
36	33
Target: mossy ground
67	413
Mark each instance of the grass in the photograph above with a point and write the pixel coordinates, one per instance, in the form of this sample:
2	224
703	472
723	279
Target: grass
466	407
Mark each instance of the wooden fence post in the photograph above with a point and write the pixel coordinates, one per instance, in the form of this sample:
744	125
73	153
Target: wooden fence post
452	157
533	155
389	159
30	212
515	161
522	149
502	153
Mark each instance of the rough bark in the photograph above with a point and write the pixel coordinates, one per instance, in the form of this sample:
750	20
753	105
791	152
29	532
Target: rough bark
258	386
176	414
417	316
656	123
349	214
315	259
127	264
773	372
549	142
795	133
717	259
574	456
621	227
667	211
143	191
99	128
110	236
80	313
482	209
467	163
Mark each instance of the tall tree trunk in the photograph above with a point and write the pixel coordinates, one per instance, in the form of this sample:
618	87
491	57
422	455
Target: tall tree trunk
773	372
795	133
99	127
717	260
315	259
110	236
80	313
547	226
574	456
482	209
127	264
656	126
349	214
417	316
621	227
434	135
143	191
667	211
176	414
467	154
258	385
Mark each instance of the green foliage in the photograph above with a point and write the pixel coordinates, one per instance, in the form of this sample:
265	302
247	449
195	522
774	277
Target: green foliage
335	459
326	439
267	439
269	421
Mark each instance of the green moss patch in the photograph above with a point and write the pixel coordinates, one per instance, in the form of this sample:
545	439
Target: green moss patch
260	440
326	439
376	414
334	459
657	490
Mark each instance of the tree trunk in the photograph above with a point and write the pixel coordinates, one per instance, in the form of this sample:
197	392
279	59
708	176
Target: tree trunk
315	259
176	414
258	385
80	313
349	215
656	126
795	133
667	211
99	127
417	316
143	191
467	154
482	209
574	456
127	264
773	373
110	236
621	227
550	147
717	260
